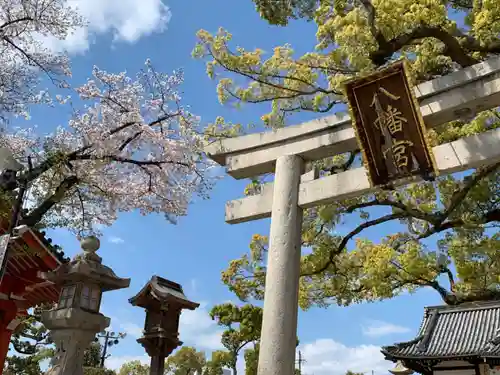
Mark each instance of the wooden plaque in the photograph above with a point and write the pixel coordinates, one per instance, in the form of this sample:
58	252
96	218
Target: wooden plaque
389	126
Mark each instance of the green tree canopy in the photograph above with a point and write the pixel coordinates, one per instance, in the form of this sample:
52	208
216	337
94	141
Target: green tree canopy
134	368
447	236
92	356
30	340
33	345
92	361
220	359
349	372
279	12
97	371
185	361
242	326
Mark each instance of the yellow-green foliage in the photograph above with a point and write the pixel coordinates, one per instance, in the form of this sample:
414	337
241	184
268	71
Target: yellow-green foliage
444	240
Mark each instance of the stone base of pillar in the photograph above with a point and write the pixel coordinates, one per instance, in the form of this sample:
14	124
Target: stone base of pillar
72	331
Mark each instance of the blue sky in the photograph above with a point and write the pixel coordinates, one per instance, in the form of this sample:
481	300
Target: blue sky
194	252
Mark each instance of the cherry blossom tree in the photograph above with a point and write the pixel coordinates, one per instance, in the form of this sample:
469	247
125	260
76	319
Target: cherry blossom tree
24	25
132	146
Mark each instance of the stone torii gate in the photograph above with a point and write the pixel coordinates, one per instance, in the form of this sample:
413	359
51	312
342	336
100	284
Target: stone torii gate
285	152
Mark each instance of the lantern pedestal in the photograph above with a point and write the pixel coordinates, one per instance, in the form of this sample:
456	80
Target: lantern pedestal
72	330
158	345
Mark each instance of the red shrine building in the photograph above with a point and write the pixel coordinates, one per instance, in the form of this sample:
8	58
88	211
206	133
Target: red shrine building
452	340
21	288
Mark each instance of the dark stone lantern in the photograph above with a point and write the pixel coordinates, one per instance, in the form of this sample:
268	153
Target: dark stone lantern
163	301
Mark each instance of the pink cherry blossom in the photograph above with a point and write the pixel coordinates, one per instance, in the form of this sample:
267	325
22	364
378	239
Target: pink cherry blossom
23	24
132	147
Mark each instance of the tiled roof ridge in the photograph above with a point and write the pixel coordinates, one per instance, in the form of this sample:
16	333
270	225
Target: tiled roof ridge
416	340
54	249
404	344
464	307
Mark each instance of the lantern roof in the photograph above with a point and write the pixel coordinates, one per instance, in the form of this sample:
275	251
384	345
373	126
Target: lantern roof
87	268
452	333
158	292
401	369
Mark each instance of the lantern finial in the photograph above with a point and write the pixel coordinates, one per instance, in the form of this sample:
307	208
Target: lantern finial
90	244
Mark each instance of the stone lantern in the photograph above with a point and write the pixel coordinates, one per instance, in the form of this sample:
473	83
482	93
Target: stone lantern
164	301
75	320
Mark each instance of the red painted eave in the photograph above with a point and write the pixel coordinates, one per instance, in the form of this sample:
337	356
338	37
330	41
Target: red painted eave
22	273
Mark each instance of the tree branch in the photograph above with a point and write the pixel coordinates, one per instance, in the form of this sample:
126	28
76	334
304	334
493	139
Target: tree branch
453	48
37	214
370	9
451	279
432	218
344	167
459	195
343	243
140	163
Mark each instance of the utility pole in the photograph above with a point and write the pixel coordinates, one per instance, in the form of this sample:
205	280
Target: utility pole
300	361
110	339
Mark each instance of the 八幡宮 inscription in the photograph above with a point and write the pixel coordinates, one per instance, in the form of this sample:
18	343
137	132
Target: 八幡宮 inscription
389	126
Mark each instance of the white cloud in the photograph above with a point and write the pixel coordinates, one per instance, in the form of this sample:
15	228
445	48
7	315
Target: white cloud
377	328
329	357
124	20
116	240
198	329
131	329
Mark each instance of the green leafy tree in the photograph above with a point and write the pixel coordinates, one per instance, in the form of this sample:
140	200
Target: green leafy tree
92	356
92	361
185	361
252	359
349	372
33	345
134	368
279	12
220	359
97	371
242	327
446	238
29	365
30	344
